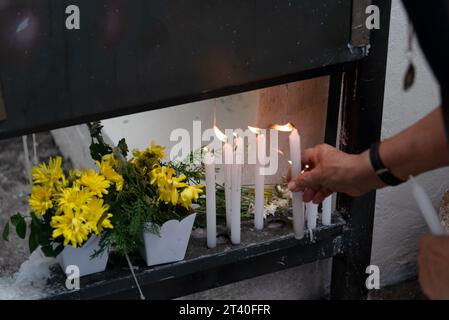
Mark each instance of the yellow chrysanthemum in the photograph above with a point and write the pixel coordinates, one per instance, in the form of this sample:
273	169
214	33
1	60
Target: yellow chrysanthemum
190	194
51	175
96	210
40	200
96	183
157	150
167	184
147	159
74	199
110	159
75	174
71	225
109	173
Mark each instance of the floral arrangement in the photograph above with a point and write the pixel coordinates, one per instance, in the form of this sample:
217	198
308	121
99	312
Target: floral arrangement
67	209
154	190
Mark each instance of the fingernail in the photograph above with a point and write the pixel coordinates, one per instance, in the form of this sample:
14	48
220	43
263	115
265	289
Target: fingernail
292	185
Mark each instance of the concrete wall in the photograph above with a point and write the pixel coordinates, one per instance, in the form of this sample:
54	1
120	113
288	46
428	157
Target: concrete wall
398	223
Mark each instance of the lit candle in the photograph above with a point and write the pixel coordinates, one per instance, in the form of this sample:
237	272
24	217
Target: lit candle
427	209
259	180
297	197
312	215
297	202
211	219
236	191
228	160
326	211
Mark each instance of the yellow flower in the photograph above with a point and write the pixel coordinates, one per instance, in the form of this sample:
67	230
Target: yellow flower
51	175
95	212
74	199
157	150
74	174
40	200
167	184
147	159
71	225
109	173
110	159
97	184
190	194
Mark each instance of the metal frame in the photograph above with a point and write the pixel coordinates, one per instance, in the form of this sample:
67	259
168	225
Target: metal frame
362	111
349	242
160	54
203	270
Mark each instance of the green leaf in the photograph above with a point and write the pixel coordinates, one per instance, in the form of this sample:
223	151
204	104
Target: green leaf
50	252
123	147
21	229
58	249
17	219
97	151
33	243
5	234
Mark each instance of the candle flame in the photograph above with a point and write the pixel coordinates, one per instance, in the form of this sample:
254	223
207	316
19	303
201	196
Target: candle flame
306	168
290	162
254	130
289	127
220	135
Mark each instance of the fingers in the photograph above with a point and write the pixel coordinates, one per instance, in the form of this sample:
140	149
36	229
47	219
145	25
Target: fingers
321	195
310	179
308	157
308	195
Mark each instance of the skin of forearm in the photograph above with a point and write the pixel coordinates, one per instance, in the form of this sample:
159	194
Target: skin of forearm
420	148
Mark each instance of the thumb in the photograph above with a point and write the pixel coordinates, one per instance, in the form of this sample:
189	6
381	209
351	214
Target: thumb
310	179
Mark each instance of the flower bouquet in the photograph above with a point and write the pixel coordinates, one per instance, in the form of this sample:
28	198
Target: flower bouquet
69	213
154	213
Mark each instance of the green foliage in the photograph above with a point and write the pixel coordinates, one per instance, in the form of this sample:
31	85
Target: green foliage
18	221
247	200
123	147
40	233
134	209
5	234
98	148
191	167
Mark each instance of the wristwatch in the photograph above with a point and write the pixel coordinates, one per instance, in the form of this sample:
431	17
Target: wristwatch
381	170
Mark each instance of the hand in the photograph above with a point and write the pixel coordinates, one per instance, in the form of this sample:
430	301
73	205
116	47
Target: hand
332	171
433	263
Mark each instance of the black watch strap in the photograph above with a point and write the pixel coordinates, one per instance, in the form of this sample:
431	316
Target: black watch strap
381	170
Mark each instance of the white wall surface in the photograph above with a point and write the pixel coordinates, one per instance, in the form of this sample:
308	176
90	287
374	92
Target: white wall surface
398	222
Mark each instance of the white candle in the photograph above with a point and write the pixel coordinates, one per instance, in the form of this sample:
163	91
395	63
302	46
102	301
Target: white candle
312	215
236	191
297	201
211	219
259	183
228	151
427	209
326	211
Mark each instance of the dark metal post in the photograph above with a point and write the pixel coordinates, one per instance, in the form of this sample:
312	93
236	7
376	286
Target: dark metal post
333	108
362	120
